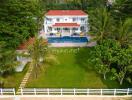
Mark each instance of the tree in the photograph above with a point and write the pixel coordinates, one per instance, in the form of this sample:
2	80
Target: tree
123	60
122	9
102	24
124	32
38	52
17	21
110	57
7	62
102	68
102	56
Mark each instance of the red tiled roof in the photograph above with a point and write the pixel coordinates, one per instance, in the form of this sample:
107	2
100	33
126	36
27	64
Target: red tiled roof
65	12
66	24
26	44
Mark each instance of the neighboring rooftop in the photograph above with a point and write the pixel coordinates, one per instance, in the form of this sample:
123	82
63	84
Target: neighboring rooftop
66	12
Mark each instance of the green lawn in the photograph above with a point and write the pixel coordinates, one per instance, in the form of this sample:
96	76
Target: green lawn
14	80
72	71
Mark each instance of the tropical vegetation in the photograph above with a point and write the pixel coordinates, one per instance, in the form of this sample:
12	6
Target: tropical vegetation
111	24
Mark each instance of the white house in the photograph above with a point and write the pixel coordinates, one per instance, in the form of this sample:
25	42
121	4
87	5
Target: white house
59	23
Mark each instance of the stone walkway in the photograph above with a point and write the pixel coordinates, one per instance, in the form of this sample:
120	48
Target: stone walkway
25	79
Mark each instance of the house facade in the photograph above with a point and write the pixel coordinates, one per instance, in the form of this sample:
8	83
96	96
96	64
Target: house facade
59	23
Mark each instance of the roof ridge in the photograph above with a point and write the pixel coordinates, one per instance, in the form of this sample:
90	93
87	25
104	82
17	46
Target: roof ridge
65	12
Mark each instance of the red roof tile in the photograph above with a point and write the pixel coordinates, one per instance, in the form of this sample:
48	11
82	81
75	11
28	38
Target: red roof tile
66	24
26	44
65	12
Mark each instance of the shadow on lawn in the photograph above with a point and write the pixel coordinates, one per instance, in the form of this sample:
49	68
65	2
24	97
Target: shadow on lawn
81	58
115	84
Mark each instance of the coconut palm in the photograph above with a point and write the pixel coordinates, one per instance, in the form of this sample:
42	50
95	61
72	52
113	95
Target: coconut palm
40	56
101	23
124	32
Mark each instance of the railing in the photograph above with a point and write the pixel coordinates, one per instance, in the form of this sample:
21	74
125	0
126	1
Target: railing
43	91
7	91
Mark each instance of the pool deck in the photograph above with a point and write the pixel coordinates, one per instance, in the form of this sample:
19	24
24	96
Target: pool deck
90	44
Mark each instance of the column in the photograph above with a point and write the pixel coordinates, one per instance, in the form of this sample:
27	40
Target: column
70	31
62	31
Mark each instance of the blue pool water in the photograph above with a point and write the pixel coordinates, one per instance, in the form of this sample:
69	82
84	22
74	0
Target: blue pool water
67	39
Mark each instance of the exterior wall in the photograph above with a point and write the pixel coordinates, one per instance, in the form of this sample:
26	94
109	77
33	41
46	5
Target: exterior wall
81	20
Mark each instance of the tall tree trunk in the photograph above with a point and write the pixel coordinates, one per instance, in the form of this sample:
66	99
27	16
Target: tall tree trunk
121	81
1	84
35	71
36	74
104	76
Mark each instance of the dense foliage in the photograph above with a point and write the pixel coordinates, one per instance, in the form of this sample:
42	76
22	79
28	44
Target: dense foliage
7	62
18	21
110	57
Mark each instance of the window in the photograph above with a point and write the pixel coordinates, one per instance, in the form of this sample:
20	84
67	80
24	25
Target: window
75	29
82	19
66	29
55	29
49	28
57	19
82	28
74	19
49	19
58	29
66	19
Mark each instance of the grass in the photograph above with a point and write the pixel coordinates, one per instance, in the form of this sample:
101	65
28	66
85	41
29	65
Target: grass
14	80
72	71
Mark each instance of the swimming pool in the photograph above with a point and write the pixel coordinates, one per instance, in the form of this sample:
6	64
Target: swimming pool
67	39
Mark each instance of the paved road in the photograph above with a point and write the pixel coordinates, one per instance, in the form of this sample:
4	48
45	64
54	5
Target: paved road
65	98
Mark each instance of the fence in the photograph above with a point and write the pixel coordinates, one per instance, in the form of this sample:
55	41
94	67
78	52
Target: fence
43	91
7	91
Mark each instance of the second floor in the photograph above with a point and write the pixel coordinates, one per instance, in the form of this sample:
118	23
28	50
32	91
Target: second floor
66	19
65	16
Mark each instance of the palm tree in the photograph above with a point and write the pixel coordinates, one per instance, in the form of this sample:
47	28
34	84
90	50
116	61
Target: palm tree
124	32
38	51
122	9
40	56
101	23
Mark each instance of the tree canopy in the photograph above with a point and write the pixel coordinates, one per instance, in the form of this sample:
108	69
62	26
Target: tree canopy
18	21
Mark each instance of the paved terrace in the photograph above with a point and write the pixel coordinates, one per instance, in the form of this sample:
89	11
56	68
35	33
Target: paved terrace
90	44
